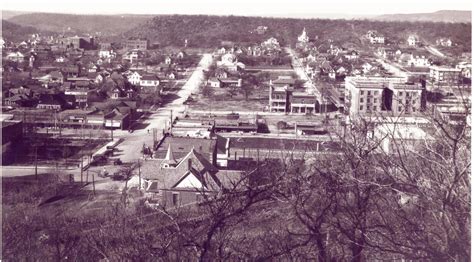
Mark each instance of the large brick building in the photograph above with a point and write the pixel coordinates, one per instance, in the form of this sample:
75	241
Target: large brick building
377	95
137	43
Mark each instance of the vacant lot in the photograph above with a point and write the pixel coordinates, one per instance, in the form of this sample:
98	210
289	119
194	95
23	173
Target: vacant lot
221	100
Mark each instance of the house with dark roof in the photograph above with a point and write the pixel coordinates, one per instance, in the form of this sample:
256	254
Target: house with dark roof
182	145
119	117
149	80
53	101
175	182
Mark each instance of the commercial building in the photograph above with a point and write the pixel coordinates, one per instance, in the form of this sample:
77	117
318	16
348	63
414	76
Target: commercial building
137	43
377	95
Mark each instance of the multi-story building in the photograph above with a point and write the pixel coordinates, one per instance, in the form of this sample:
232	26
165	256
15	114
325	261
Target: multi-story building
302	102
377	95
137	43
284	99
77	42
279	99
445	75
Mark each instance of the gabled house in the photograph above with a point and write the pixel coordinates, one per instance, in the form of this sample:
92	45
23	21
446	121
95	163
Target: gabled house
56	77
177	182
375	38
115	93
16	57
412	40
95	77
418	59
119	117
171	75
214	82
135	77
71	71
149	81
221	73
352	55
444	42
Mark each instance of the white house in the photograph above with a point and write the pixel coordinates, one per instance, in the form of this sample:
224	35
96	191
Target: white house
134	78
412	40
149	81
444	42
419	60
16	57
395	136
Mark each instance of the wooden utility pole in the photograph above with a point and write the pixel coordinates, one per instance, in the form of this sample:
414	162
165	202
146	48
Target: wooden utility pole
82	167
112	128
36	162
139	177
93	184
171	120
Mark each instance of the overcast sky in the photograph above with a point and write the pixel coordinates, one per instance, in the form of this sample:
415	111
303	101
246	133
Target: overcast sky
236	7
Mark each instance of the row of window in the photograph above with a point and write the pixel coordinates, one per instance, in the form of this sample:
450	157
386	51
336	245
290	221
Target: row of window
368	100
369	92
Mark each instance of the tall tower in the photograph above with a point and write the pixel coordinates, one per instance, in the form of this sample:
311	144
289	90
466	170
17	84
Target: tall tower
303	38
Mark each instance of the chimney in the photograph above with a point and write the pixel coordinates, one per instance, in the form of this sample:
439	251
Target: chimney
190	164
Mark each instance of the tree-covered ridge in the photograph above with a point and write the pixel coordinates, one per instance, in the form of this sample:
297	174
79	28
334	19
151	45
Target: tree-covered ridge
208	31
16	33
105	24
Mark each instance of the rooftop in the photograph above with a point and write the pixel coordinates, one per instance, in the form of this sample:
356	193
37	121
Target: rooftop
183	145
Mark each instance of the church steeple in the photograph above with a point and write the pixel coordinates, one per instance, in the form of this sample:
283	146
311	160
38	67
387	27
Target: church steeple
169	154
304	36
169	160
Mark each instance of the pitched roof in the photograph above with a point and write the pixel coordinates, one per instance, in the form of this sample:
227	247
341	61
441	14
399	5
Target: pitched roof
167	178
182	145
150	77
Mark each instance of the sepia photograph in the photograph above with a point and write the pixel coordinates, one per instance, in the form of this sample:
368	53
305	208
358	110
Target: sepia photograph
236	130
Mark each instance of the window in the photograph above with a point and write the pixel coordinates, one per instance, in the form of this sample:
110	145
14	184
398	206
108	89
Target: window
175	199
361	108
375	108
399	109
375	100
362	100
376	92
368	93
400	93
362	92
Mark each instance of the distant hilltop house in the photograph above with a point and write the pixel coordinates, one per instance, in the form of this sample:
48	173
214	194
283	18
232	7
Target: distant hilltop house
375	38
416	59
303	38
413	40
261	30
444	42
271	43
137	43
